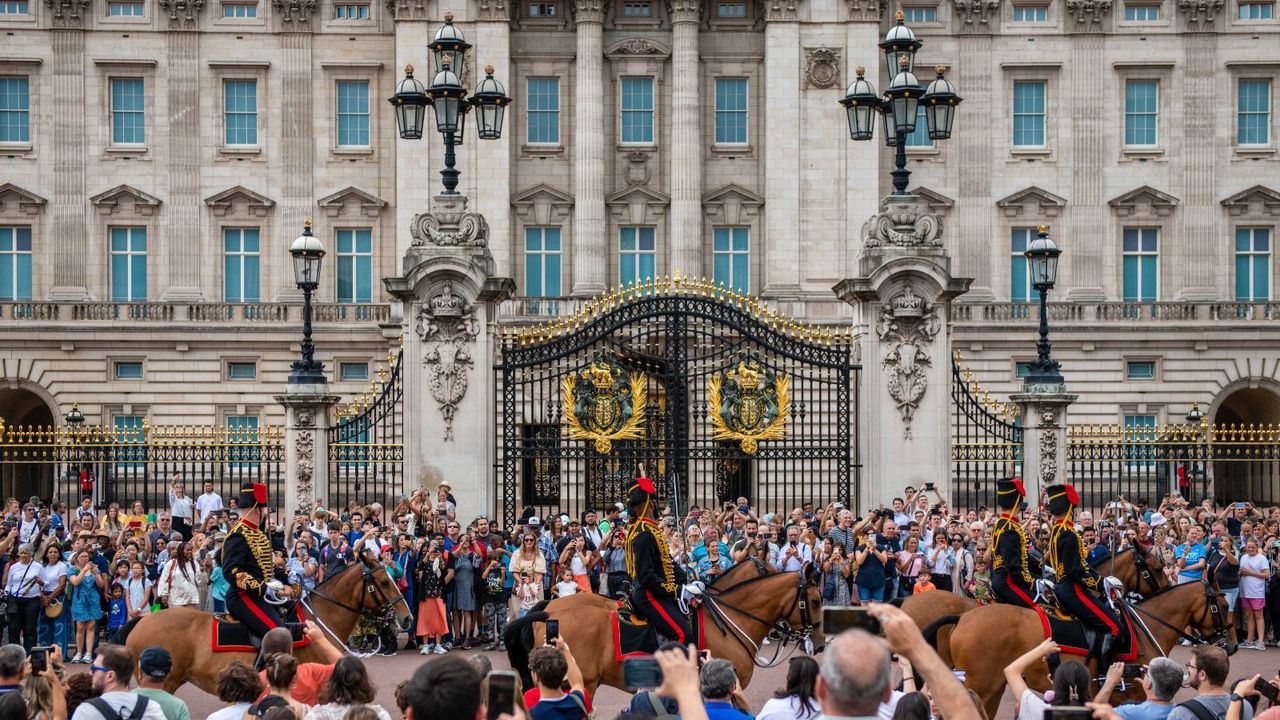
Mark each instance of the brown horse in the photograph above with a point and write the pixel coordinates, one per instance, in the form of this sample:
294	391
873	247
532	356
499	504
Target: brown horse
1138	570
186	633
990	637
748	605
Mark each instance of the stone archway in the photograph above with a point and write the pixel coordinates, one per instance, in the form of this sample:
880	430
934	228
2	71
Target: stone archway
23	404
1248	404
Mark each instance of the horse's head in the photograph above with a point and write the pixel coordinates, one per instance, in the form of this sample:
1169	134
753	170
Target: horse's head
1150	571
380	592
806	613
1209	617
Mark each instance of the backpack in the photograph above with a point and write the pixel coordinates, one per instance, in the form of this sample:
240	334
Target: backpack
1197	708
659	709
109	713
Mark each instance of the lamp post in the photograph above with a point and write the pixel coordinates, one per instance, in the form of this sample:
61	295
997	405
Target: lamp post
1042	257
308	254
448	98
902	99
74	419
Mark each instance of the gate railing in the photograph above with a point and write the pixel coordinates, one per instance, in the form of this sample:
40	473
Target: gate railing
366	442
124	464
986	440
1232	462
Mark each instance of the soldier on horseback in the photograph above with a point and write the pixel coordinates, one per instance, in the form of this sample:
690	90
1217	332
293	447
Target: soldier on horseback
1077	583
246	562
656	579
1011	579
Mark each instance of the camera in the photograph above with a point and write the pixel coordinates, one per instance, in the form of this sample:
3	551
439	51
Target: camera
836	620
640	673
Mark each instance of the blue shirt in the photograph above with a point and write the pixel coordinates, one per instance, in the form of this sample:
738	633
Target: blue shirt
1097	554
722	710
118	614
569	707
1193	555
1144	711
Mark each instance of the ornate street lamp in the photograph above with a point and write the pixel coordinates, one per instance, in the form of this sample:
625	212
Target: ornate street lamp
1042	257
74	419
1195	415
448	98
902	100
308	255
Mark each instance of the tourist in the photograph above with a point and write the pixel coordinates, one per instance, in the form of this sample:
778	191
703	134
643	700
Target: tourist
51	624
22	585
154	665
795	701
112	671
86	603
281	671
1207	672
238	686
347	687
179	584
552	667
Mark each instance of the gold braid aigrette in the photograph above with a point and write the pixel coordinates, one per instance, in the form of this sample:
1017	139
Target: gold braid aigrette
1060	572
1009	524
260	546
649	526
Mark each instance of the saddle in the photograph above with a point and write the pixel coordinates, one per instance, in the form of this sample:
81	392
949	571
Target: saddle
233	636
633	636
1074	638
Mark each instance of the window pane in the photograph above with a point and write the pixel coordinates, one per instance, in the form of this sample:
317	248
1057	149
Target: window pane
637	110
15	109
353	111
543	110
1140	112
240	111
731	110
1253	113
1028	112
920	136
127	111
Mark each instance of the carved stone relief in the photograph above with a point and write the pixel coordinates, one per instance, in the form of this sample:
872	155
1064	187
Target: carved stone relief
979	11
447	325
451	227
295	11
494	10
902	227
1089	10
67	12
906	326
864	10
1200	13
182	13
306	449
821	67
1048	447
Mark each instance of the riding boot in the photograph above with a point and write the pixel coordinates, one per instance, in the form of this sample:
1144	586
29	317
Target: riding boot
1106	653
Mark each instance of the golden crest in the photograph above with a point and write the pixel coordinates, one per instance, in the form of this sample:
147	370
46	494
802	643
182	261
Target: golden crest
749	403
603	403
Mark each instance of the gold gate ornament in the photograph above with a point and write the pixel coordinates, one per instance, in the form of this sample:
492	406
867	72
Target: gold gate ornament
749	403
603	403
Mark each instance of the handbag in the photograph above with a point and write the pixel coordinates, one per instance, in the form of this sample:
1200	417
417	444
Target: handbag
54	609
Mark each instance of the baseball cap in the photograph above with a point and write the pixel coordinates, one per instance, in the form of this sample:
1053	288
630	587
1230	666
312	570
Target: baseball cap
535	522
155	662
268	702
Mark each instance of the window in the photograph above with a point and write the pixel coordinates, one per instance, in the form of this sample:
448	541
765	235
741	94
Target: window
1141	99
1022	369
1253	264
1030	13
15	262
1141	264
921	14
128	264
355	266
1140	370
636	9
130	441
1019	266
127	370
353	371
1141	13
350	12
242	436
637	110
243	370
125	9
14	7
731	258
637	254
128	117
1257	11
1140	430
240	110
920	136
239	10
353	113
543	107
1253	112
1028	113
542	261
731	10
240	263
15	110
731	111
543	9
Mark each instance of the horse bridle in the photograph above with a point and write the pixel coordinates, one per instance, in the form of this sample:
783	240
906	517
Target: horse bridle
1143	570
800	636
384	608
1220	626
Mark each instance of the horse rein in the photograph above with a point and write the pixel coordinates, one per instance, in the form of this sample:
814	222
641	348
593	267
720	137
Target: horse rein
799	600
1211	596
369	587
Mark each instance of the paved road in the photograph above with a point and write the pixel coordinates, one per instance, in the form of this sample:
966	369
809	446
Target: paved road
387	672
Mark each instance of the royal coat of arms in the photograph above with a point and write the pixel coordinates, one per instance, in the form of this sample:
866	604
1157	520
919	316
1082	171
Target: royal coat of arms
603	403
749	403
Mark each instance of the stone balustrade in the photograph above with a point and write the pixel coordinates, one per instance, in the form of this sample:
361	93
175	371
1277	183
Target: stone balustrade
13	313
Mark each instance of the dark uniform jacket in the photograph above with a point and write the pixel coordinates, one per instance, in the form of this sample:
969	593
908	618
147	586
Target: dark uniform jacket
649	559
1067	556
1010	542
246	558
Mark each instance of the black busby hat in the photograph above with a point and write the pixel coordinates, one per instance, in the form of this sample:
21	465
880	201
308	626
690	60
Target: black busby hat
640	491
1009	492
252	494
1062	498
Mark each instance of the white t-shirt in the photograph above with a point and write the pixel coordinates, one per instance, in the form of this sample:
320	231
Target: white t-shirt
788	708
231	712
180	507
51	574
1031	706
207	503
565	589
123	703
1253	587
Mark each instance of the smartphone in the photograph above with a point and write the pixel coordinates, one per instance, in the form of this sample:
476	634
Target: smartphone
1269	691
1134	670
836	620
641	673
927	486
40	658
1239	506
553	630
1068	712
502	693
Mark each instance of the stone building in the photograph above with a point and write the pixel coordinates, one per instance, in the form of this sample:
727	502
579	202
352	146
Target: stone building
158	156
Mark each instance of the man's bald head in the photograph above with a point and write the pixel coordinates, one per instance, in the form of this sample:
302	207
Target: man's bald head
277	640
855	675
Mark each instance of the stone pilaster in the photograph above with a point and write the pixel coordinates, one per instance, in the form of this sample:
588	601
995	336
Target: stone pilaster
1044	439
493	157
297	136
450	295
306	424
590	245
782	151
413	179
976	236
1091	243
686	140
1199	212
68	219
903	292
182	216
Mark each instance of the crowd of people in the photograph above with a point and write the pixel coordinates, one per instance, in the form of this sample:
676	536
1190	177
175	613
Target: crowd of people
74	575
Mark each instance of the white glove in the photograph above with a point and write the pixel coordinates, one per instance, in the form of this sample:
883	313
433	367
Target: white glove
695	587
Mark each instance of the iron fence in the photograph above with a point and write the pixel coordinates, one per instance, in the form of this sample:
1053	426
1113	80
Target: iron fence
986	441
366	444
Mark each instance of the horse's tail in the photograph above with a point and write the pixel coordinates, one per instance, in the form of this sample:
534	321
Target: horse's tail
122	635
931	630
519	640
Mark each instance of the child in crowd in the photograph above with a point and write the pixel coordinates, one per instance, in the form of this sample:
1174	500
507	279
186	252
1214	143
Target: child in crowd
530	591
923	584
980	583
495	596
567	586
117	610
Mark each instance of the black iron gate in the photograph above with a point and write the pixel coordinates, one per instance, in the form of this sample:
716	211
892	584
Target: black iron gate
366	443
716	395
986	441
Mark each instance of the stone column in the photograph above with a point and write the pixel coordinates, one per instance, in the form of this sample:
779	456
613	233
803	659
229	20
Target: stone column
1203	255
183	214
1088	217
307	415
590	249
414	181
450	295
782	151
903	293
493	157
686	140
977	241
1044	438
69	221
